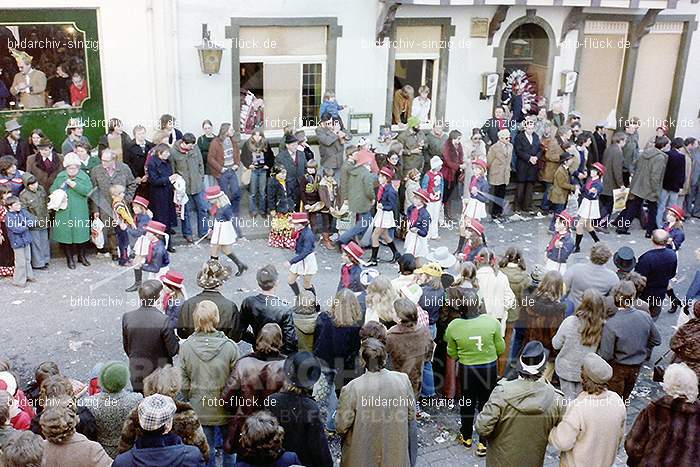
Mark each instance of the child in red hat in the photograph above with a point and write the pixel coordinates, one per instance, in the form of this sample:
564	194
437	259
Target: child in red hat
151	254
387	203
418	219
304	262
124	221
472	242
223	233
475	206
174	296
589	210
561	245
433	184
675	215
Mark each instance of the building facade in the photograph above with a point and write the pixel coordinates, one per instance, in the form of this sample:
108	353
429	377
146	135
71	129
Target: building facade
621	58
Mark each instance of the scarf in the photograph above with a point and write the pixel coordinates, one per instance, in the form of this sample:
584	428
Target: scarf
414	216
297	233
345	274
151	250
166	300
474	182
380	192
47	165
467	250
555	238
501	123
589	183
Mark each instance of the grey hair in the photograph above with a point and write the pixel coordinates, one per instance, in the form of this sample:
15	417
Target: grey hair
681	381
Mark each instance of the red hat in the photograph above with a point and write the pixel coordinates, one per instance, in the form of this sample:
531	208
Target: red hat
300	218
213	192
677	211
566	217
156	228
481	163
387	171
140	200
476	226
599	167
422	194
354	250
173	279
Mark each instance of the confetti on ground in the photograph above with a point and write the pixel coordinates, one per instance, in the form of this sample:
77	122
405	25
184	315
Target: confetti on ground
18	302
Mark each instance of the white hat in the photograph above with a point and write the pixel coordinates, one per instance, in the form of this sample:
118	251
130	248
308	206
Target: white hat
435	163
71	159
8	382
367	276
442	256
413	292
362	141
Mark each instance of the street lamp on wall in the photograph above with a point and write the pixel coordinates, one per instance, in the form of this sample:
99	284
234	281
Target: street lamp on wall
489	85
209	53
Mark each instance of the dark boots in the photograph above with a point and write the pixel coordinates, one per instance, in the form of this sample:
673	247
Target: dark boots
394	251
373	260
577	248
239	264
675	301
138	276
82	258
295	288
69	250
460	245
594	236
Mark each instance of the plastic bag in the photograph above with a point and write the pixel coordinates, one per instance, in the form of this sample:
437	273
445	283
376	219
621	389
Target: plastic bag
96	233
620	198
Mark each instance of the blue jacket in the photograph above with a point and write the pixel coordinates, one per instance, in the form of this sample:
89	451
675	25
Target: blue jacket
674	175
581	168
160	451
279	198
18	224
694	289
423	221
224	214
659	267
142	221
440	188
355	284
483	186
431	301
677	236
159	259
338	347
306	242
560	255
390	198
332	107
287	459
598	185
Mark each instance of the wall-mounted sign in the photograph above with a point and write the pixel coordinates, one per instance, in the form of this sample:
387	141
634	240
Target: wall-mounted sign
568	82
479	27
489	85
360	124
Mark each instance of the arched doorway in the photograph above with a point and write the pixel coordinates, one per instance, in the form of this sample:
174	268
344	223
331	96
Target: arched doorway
526	57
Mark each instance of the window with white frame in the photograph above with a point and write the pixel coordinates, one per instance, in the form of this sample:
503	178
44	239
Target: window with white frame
282	77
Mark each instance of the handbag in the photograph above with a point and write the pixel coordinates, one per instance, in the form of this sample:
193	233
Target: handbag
246	174
660	368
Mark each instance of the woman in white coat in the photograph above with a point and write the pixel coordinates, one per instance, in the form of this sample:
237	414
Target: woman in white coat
494	287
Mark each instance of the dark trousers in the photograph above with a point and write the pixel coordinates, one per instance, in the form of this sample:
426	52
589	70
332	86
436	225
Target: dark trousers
606	205
122	244
523	196
449	188
623	379
477	383
632	211
321	222
626	178
499	192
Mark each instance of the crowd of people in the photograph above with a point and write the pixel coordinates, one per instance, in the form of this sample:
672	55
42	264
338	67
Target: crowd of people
534	355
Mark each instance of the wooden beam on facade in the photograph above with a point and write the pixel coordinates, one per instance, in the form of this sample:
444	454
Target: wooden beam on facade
573	21
386	19
495	24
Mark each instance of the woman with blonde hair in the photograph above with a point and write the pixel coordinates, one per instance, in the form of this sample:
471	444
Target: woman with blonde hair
380	302
512	264
494	287
206	359
578	335
337	345
545	313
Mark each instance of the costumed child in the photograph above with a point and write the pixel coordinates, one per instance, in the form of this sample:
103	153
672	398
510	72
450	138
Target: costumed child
433	185
561	245
328	192
351	270
151	254
387	203
589	210
123	220
304	262
174	296
33	198
223	233
142	215
310	196
473	241
418	220
475	206
675	215
412	185
280	205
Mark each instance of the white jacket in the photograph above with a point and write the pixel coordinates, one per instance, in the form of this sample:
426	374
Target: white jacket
498	297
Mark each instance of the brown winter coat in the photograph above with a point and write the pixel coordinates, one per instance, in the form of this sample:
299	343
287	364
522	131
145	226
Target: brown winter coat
215	157
185	425
613	160
543	319
45	178
519	280
686	344
253	378
77	451
498	159
374	415
552	151
665	433
409	347
561	187
688	170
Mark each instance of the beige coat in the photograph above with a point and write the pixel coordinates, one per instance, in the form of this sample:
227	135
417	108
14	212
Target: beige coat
688	170
77	451
561	187
35	99
591	431
498	159
373	417
552	151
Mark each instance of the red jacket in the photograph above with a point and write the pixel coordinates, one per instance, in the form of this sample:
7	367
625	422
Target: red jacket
452	158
